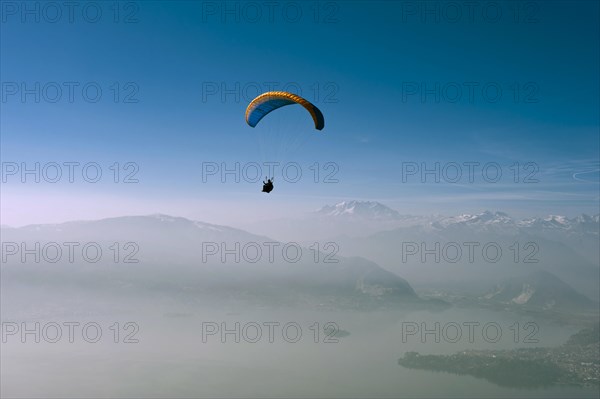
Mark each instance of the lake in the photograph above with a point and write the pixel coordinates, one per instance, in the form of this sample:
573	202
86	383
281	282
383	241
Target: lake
282	353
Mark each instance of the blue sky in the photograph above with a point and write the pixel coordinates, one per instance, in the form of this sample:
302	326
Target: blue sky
393	80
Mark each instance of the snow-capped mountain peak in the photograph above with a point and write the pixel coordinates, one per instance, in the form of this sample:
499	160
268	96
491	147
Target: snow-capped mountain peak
486	218
581	223
557	219
359	209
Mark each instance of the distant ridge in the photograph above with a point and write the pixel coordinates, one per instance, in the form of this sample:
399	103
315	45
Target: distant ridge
360	209
540	289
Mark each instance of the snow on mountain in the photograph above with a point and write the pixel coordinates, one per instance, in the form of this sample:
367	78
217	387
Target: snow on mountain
551	224
372	210
486	218
360	209
581	223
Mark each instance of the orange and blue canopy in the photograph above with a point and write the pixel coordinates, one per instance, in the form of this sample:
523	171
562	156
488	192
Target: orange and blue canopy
272	100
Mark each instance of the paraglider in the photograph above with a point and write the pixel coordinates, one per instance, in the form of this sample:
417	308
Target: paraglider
272	100
267	185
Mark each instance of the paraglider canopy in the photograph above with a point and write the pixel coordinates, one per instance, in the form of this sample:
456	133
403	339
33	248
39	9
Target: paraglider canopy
272	100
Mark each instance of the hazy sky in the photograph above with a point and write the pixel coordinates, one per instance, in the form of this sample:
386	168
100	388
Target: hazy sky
402	85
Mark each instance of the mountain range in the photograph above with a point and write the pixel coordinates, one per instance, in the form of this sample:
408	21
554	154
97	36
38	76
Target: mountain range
191	261
567	247
367	255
